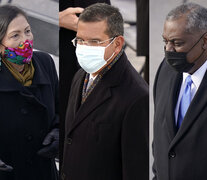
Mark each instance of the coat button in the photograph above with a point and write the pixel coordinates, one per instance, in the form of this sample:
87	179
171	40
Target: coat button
23	111
42	132
29	137
63	176
172	154
69	141
29	161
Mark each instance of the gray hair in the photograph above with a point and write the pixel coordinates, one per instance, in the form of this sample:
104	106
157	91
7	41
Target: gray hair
101	11
196	16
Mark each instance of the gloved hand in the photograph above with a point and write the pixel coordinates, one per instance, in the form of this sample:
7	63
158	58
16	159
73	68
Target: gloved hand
51	143
4	167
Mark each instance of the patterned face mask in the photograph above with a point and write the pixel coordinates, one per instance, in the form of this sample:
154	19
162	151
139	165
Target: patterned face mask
20	55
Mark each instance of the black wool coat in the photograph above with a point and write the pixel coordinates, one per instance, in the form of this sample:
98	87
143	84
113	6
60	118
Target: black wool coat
27	114
107	136
68	62
179	155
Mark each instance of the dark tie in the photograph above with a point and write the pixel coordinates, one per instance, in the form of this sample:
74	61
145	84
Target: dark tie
185	101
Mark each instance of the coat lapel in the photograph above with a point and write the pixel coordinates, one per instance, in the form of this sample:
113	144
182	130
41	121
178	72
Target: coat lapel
7	80
169	121
96	98
40	75
197	105
74	102
101	93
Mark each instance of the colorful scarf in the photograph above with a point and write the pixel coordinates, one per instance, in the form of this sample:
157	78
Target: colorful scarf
25	77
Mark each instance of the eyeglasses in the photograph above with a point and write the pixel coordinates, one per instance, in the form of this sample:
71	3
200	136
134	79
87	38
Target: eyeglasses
76	41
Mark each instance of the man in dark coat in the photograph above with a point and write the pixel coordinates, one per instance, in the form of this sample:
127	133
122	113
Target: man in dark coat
107	120
180	97
68	62
28	114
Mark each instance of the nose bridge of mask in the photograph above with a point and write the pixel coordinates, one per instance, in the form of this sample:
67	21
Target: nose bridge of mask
90	49
98	49
22	43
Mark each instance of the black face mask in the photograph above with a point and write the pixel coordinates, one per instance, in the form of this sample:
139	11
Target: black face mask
178	60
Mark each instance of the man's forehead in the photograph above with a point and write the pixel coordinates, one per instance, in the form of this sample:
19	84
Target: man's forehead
180	34
91	29
175	27
92	23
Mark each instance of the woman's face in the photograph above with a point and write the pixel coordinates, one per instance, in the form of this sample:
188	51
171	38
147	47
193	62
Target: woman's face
17	32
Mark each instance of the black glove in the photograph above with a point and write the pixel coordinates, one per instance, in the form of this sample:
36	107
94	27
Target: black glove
4	167
51	143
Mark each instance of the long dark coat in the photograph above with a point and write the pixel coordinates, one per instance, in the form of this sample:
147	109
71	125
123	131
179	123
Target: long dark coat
181	155
107	137
68	61
26	116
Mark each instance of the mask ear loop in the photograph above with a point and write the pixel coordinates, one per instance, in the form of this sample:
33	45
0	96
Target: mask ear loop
196	42
108	46
110	57
195	45
110	42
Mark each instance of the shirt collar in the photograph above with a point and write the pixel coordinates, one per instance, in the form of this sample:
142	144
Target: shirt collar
93	77
197	76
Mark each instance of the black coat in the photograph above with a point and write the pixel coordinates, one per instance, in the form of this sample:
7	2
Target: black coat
27	114
68	61
107	137
181	155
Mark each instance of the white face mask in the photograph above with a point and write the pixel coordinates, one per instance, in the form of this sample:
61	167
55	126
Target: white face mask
91	58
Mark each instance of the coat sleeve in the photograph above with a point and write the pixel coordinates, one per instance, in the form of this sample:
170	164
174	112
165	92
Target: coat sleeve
55	123
155	82
154	166
154	99
135	141
49	67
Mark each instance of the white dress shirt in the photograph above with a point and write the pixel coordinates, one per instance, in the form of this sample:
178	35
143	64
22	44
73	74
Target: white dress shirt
91	78
196	78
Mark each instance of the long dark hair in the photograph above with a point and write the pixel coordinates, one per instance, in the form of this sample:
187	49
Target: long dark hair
7	14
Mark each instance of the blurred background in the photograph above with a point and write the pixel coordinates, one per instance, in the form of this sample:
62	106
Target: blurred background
128	8
158	11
